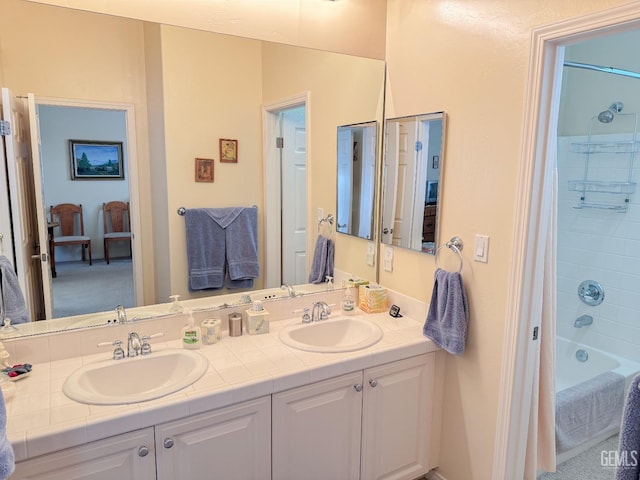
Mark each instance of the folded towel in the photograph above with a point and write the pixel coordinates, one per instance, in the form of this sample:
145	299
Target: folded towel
448	313
322	264
588	409
7	457
629	446
222	247
12	302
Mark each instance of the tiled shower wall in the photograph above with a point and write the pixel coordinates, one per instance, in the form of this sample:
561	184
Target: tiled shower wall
601	245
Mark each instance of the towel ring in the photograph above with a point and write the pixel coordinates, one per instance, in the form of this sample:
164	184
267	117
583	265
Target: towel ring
454	244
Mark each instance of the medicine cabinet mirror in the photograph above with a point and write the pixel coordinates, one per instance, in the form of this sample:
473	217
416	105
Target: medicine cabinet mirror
356	178
411	181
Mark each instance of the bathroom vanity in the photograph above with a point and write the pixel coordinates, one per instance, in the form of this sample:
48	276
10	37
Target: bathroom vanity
262	410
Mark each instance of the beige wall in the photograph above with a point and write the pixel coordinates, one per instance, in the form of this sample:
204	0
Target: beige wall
355	27
470	59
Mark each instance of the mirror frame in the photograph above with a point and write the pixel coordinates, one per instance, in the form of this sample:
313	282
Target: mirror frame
419	165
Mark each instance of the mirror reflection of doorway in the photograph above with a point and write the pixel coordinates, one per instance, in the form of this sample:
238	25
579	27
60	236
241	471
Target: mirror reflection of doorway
78	287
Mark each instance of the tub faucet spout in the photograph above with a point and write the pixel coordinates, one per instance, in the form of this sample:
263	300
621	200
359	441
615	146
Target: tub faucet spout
583	321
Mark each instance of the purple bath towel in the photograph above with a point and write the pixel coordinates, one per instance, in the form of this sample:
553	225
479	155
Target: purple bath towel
629	448
448	315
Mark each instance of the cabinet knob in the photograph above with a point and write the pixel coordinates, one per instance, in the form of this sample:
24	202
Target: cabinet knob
373	383
358	387
168	442
143	451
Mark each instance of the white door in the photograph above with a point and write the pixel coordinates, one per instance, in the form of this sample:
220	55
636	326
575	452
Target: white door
390	176
345	179
420	187
369	139
294	196
232	443
316	430
30	268
406	184
397	419
6	242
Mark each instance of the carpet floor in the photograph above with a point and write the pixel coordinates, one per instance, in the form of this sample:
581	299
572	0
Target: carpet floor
587	465
79	288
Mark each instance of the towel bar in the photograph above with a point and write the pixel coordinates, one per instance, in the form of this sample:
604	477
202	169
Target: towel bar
182	210
454	244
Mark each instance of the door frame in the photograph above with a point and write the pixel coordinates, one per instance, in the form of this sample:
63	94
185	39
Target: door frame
132	171
514	401
273	184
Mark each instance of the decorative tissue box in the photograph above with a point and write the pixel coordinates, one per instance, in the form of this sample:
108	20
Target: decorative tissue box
372	299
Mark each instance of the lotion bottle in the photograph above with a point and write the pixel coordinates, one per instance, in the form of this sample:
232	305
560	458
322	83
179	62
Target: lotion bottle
191	334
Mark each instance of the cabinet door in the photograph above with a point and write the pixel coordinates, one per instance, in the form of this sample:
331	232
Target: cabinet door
229	443
316	430
126	457
397	423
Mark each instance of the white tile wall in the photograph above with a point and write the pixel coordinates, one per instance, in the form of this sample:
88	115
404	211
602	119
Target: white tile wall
601	245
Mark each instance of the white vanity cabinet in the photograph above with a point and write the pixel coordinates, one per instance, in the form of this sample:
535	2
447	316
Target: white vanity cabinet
230	443
126	456
226	444
373	424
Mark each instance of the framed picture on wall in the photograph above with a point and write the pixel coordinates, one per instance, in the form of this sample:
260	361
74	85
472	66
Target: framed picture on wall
96	160
204	170
228	150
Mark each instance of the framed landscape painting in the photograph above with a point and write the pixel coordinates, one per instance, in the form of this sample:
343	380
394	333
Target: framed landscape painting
96	160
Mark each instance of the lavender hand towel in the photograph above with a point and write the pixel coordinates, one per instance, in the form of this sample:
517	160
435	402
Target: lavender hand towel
7	457
12	302
319	263
448	316
629	443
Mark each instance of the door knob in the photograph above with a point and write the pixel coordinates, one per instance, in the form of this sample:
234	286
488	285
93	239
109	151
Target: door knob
385	231
358	387
373	383
168	442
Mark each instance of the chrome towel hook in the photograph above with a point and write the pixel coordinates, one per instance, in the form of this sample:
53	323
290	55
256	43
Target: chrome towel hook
455	244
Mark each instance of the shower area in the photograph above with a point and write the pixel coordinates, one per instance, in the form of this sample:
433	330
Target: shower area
597	250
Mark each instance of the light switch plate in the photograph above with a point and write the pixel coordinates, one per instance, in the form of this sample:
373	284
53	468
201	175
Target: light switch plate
481	248
371	253
388	258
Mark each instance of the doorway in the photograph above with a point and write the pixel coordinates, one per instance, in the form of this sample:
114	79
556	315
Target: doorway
533	212
103	285
286	192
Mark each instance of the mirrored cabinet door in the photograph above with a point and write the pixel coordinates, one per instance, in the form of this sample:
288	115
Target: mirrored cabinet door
356	179
411	182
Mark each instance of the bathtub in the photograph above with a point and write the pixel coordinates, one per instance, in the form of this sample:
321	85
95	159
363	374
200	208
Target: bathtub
570	371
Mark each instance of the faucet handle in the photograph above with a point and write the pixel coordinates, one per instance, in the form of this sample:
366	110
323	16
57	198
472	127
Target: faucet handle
118	353
145	349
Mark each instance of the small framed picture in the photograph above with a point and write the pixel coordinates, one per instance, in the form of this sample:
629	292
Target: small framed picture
435	161
204	170
228	150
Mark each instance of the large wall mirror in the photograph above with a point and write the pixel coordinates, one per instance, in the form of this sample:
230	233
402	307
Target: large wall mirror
356	179
188	88
411	183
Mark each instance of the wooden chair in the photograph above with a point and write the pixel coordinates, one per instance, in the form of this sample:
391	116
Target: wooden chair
117	225
71	226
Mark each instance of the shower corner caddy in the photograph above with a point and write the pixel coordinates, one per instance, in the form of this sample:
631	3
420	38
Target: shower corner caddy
618	191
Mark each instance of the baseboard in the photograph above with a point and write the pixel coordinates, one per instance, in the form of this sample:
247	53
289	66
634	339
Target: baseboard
433	475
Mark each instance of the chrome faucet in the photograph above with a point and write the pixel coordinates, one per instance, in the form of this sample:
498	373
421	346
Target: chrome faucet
320	311
292	291
134	345
121	314
583	321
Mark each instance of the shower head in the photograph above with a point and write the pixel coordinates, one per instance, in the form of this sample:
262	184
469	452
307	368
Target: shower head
608	115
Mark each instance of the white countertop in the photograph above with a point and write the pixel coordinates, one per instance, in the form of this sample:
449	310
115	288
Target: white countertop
42	419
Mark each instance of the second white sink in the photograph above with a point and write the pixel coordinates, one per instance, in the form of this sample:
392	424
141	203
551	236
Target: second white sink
138	379
339	334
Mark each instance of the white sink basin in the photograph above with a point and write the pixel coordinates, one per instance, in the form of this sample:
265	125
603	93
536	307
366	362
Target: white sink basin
137	379
339	334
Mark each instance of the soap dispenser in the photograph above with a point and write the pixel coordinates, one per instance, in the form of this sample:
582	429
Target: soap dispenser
175	304
191	334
